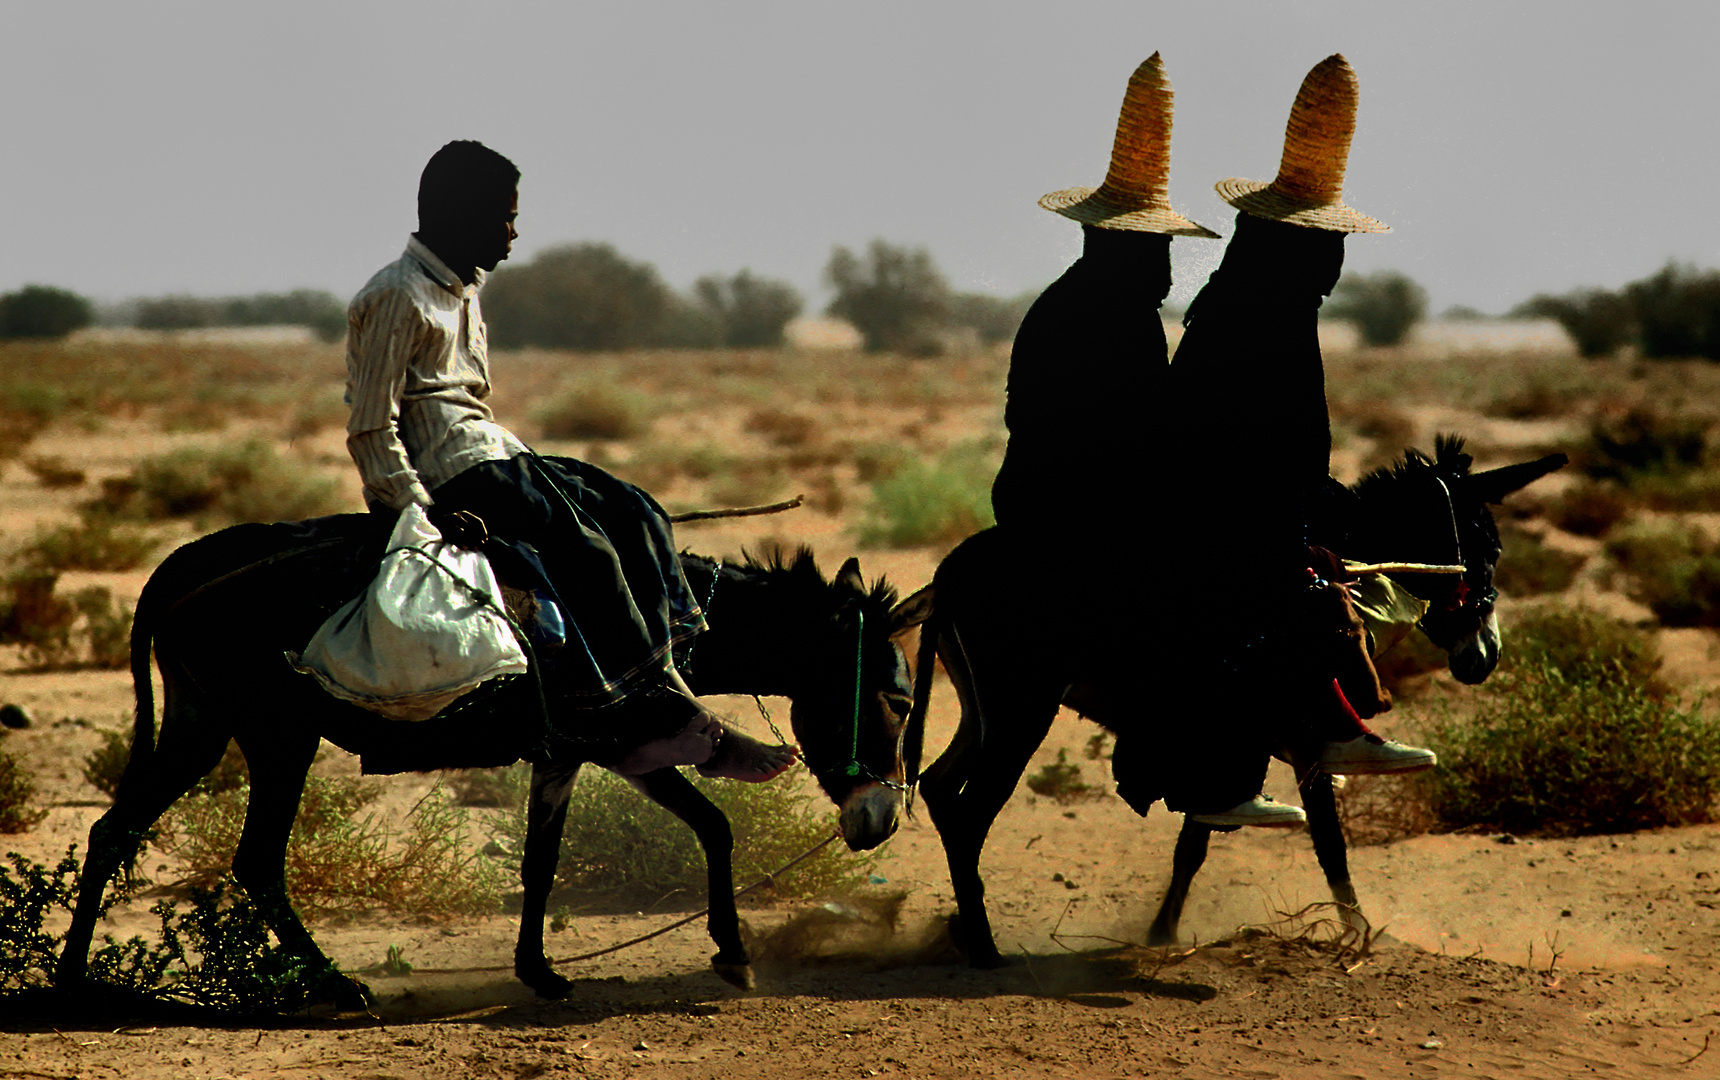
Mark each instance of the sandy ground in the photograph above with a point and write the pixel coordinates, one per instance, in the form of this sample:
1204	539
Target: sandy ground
1493	956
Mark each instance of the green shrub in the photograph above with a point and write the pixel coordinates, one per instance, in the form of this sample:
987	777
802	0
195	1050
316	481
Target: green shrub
17	792
240	482
895	297
93	543
1599	322
1643	441
338	861
1671	568
1574	734
1678	312
616	842
42	311
578	296
595	411
751	311
942	503
1383	306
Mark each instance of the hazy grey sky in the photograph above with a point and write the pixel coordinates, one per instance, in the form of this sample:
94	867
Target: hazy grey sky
220	148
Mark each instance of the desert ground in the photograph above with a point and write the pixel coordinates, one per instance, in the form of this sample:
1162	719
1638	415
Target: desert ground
1492	955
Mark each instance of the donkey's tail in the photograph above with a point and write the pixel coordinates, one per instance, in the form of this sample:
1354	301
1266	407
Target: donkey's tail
143	689
914	737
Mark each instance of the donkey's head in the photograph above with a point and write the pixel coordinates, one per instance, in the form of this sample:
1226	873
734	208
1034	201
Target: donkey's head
1434	510
853	695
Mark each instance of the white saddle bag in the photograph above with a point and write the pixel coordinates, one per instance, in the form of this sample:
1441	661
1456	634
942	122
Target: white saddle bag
427	630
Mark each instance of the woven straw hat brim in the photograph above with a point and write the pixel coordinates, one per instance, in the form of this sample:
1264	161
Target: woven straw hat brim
1258	197
1084	205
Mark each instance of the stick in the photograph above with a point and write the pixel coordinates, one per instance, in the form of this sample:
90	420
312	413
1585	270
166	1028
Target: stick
742	511
1404	568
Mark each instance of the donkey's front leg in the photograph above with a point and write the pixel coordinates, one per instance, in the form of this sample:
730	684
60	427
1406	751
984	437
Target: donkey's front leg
546	814
675	793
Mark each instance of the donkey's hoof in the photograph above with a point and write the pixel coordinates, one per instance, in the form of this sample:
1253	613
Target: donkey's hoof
330	991
737	974
1160	937
543	979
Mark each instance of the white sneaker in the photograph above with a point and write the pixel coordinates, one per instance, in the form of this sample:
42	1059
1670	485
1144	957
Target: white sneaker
1261	810
1366	754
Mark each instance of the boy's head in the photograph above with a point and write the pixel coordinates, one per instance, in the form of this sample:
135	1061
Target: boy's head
467	195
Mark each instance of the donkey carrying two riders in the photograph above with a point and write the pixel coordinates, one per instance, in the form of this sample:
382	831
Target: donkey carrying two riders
1236	469
597	551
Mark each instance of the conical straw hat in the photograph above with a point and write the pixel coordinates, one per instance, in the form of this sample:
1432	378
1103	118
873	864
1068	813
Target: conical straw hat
1133	196
1309	189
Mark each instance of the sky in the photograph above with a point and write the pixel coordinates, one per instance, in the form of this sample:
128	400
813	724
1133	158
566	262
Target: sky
232	148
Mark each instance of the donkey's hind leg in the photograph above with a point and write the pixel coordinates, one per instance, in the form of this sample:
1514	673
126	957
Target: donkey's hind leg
675	793
1321	805
1185	863
967	787
155	777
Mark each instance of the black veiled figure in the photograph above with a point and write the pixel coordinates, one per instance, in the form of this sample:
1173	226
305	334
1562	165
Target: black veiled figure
1086	374
1248	375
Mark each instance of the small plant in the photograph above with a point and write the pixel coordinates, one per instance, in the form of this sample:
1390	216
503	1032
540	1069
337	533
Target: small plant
1061	780
1574	734
595	411
493	788
924	504
781	427
17	792
340	862
240	482
1671	568
616	842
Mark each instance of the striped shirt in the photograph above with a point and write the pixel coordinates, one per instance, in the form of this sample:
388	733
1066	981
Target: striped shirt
417	374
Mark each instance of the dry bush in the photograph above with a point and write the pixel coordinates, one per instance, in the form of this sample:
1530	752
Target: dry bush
1061	781
54	473
1673	569
94	543
781	427
87	629
619	844
105	765
338	861
1389	428
595	411
1531	568
235	482
17	792
1589	508
1384	809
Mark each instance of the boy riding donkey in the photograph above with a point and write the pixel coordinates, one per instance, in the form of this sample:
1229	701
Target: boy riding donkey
1093	416
421	432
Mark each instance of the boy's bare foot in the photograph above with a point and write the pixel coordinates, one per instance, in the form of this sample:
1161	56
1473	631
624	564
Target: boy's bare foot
739	756
714	748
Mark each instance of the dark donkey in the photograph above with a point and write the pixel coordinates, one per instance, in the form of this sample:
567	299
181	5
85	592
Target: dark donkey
221	610
1423	510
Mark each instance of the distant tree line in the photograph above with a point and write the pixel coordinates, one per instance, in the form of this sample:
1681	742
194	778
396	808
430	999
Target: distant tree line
322	311
591	297
1672	313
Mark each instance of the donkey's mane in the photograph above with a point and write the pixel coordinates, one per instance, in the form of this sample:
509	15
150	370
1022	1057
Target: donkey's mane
801	566
1448	458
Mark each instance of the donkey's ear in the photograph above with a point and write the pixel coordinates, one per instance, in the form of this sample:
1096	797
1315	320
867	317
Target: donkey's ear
913	611
1493	485
849	576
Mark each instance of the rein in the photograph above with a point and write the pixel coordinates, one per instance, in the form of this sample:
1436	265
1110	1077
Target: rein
855	768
